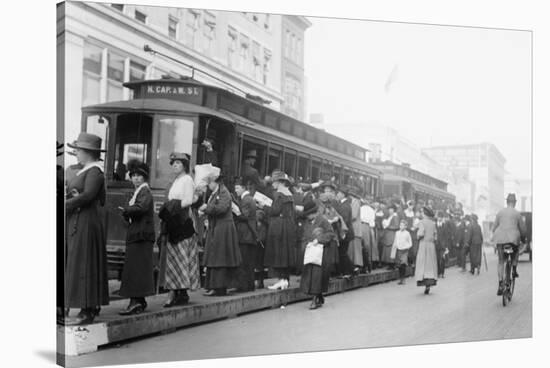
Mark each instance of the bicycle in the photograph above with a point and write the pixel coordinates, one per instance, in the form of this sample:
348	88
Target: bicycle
509	277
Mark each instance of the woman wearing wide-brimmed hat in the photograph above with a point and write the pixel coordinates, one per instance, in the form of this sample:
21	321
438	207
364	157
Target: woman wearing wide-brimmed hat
86	284
280	254
222	256
425	272
179	263
137	274
315	277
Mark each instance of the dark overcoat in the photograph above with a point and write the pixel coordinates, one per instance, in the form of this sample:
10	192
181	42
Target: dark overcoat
137	274
281	232
86	283
315	279
476	243
222	241
246	221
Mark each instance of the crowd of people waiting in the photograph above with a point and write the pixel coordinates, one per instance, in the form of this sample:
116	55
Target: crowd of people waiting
280	225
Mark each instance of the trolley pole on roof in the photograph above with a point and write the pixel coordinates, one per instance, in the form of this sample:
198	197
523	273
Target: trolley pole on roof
255	98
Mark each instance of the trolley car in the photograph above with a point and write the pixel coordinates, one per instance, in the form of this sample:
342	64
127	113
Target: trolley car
401	182
166	115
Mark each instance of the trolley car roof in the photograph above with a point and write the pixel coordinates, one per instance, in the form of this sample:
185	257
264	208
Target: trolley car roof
156	105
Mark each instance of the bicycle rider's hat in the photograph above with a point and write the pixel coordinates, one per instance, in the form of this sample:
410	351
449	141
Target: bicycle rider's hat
511	197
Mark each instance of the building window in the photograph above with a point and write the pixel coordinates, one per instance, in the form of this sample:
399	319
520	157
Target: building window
119	7
267	22
91	81
266	66
172	27
115	76
287	43
141	17
293	95
298	52
191	28
243	54
255	17
232	48
209	31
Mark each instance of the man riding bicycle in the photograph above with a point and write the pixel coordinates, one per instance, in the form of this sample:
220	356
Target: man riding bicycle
508	229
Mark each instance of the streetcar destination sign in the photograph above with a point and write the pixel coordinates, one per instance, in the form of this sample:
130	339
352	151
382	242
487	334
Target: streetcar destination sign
174	91
160	89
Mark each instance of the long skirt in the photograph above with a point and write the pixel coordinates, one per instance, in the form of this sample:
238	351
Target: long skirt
86	281
425	272
315	279
369	243
386	254
244	280
137	274
355	252
220	277
475	255
182	265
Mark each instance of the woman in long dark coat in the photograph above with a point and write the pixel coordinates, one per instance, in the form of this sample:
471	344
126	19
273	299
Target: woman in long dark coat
137	274
476	242
280	248
245	222
315	278
86	284
222	256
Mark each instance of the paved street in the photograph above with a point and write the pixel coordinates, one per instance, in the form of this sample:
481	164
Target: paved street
461	307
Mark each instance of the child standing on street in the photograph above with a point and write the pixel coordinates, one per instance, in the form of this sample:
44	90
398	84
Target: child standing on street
400	249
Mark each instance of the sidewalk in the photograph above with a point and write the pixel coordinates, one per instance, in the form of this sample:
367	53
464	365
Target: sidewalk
109	327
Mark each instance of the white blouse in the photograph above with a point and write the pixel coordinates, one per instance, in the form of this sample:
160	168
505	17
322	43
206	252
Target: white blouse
183	189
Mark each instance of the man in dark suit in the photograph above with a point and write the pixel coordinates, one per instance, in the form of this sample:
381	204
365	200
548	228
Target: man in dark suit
459	239
250	174
245	222
445	236
343	207
466	242
209	156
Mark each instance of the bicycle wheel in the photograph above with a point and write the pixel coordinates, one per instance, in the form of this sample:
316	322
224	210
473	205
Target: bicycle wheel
505	293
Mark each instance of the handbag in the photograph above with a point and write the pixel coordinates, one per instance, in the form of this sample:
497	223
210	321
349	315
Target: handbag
313	254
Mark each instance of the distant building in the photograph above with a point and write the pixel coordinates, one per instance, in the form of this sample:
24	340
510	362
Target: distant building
525	199
485	167
317	120
292	75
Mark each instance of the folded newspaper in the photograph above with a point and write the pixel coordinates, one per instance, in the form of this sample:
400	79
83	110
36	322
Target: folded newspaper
262	199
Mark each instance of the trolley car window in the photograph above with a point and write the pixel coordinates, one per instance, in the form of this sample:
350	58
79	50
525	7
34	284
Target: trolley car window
175	135
303	165
132	142
337	174
290	163
97	124
274	160
315	169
